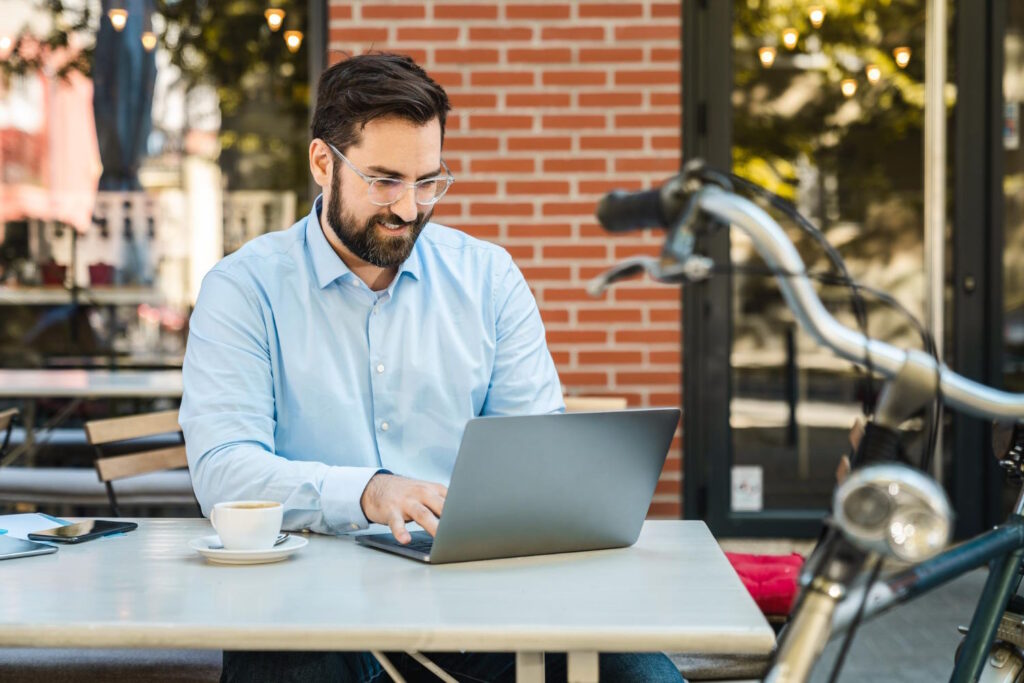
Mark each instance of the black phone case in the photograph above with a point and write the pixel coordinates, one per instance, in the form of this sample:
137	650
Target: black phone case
123	527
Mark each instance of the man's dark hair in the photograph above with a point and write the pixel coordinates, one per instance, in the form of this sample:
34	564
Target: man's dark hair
360	89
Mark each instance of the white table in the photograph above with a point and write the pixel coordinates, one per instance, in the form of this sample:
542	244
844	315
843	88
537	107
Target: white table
90	383
673	591
99	296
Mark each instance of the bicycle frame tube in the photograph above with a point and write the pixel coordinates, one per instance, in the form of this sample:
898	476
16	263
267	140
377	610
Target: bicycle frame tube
1002	580
906	585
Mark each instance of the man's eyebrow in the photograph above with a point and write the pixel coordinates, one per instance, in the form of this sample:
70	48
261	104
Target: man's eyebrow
383	170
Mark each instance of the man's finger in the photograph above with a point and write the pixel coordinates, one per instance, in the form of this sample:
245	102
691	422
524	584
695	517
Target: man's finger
397	524
422	515
434	503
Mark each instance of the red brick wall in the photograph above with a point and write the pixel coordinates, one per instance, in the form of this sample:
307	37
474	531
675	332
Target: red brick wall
554	104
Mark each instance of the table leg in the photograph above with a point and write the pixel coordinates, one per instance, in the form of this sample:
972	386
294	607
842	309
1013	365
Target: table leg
28	449
429	665
529	667
28	419
582	667
30	430
388	666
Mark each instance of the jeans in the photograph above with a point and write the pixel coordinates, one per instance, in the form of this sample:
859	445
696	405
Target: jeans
362	667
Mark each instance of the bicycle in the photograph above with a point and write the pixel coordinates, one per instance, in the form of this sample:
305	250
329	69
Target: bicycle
885	508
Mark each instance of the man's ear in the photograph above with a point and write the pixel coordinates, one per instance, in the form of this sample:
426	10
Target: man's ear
320	162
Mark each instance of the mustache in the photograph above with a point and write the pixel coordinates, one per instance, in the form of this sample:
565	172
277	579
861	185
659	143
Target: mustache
395	220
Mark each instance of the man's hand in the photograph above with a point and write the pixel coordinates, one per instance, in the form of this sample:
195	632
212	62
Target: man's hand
393	500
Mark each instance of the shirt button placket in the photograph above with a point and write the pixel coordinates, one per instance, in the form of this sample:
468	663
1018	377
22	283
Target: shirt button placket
376	389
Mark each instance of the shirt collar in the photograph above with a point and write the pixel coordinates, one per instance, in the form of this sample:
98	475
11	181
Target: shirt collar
328	266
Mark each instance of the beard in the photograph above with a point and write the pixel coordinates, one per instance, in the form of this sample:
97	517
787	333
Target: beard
369	242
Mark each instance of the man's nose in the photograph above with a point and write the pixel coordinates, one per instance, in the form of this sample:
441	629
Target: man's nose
405	208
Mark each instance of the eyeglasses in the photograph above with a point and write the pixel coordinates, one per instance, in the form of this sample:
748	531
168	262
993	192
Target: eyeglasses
387	191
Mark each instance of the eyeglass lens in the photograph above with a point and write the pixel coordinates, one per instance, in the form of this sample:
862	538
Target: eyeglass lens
388	190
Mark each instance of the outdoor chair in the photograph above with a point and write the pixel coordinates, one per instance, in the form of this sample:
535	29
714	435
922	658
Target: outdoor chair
126	433
577	404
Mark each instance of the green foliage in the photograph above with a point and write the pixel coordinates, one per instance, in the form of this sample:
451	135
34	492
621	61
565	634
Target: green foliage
30	54
867	150
263	88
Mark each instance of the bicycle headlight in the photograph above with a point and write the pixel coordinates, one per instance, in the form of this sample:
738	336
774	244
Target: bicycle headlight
894	510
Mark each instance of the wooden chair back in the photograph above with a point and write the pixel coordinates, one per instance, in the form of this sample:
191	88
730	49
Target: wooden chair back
576	404
122	429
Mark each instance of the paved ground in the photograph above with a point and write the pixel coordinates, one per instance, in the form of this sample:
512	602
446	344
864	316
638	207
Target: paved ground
912	643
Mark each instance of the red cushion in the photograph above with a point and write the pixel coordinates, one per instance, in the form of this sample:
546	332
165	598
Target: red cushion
770	579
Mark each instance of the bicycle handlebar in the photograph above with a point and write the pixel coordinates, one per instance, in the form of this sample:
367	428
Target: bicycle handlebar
780	254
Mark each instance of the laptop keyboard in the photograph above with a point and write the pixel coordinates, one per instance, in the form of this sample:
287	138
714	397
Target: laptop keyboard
421	541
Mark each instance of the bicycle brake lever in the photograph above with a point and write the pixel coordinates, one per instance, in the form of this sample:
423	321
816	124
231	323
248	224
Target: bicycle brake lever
620	271
693	269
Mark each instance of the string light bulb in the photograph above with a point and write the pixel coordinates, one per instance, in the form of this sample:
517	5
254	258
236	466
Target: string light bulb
816	13
873	73
119	18
275	18
293	39
148	41
5	43
848	86
902	56
789	38
767	56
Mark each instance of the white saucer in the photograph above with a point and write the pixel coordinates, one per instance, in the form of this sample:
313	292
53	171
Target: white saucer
224	556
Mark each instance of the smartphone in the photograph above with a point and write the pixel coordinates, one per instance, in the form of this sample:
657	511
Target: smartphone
82	531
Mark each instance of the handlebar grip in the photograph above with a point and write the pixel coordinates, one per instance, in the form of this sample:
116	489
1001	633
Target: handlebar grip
621	211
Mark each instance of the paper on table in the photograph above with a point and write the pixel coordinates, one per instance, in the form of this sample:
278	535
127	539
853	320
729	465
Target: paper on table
20	526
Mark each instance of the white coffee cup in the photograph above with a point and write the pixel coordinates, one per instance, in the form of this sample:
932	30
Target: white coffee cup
247	524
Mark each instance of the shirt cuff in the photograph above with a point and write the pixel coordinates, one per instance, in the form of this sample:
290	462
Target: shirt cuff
342	490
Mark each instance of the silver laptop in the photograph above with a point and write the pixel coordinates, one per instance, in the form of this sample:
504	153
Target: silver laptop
539	484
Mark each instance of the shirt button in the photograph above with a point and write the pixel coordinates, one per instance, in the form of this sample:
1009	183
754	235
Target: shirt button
384	426
353	526
380	368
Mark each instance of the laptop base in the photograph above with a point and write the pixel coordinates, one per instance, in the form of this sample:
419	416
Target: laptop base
417	549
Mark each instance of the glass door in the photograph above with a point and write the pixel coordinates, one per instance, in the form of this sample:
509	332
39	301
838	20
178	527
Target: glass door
824	106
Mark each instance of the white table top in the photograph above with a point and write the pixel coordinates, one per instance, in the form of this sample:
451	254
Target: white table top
58	295
674	591
97	383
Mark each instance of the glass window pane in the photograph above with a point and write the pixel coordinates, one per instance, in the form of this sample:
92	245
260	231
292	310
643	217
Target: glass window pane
830	118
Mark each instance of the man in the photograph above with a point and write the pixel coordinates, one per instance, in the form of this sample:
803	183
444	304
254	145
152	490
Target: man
333	366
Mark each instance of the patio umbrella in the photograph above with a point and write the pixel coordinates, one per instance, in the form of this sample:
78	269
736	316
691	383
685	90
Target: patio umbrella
123	77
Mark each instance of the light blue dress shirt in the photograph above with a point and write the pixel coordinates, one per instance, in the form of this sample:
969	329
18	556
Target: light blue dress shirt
301	382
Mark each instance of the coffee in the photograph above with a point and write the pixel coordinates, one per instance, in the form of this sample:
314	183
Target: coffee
247	524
